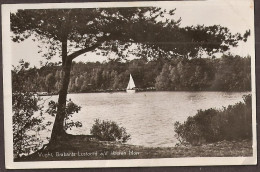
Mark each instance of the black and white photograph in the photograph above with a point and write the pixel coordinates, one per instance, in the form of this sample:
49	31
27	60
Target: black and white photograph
129	84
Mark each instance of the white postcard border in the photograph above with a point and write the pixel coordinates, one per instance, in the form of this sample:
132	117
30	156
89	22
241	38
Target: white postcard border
7	53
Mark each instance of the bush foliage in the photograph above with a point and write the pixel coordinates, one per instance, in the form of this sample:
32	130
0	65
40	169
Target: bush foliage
212	125
109	131
26	125
70	109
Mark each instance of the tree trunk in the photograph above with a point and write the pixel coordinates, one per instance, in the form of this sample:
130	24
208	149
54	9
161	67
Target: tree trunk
58	131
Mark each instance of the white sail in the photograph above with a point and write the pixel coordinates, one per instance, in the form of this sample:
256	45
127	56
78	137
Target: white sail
131	83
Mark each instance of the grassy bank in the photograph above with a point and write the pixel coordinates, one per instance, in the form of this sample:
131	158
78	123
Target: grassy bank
80	148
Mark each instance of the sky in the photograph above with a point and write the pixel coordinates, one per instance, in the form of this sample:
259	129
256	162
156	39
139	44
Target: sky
237	15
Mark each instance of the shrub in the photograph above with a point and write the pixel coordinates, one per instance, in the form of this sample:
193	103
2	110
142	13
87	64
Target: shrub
212	125
26	125
70	109
109	131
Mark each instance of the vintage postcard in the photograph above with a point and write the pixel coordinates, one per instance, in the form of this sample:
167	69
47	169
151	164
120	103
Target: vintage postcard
129	84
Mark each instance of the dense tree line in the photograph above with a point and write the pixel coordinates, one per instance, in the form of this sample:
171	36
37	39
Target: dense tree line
228	73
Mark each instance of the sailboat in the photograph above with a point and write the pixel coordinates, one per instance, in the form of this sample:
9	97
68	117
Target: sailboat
131	85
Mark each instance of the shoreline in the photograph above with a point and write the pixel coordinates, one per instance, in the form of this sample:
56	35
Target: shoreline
111	92
85	149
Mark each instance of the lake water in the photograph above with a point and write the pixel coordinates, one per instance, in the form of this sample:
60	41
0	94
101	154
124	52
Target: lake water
148	116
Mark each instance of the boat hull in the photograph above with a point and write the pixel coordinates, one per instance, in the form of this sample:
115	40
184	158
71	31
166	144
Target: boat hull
130	91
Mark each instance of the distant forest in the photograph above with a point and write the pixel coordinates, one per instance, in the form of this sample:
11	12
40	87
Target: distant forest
228	73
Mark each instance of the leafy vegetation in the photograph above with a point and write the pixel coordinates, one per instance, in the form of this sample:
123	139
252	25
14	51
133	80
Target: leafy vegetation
26	125
212	125
109	131
70	109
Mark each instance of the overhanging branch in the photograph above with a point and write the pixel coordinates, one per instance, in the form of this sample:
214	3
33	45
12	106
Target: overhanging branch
87	49
82	51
